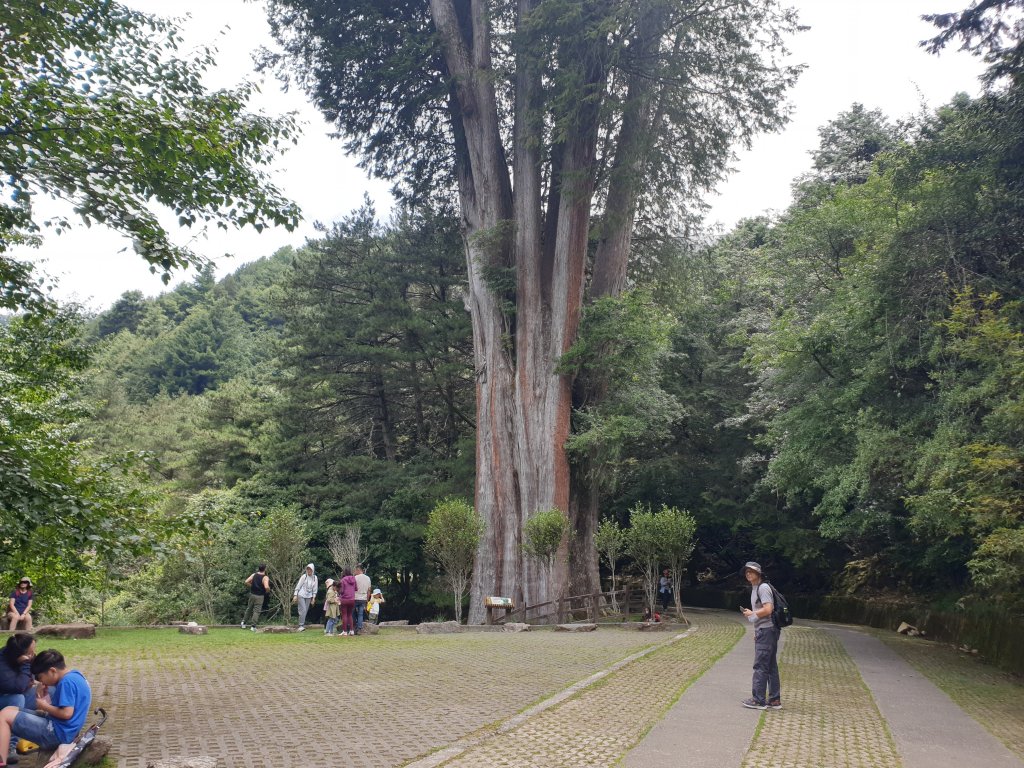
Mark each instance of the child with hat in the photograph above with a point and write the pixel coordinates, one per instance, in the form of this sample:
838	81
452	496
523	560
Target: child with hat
331	609
374	606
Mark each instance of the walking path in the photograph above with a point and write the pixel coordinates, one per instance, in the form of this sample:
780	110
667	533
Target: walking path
895	718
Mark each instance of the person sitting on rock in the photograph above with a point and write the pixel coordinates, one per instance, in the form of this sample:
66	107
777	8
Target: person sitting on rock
19	610
63	695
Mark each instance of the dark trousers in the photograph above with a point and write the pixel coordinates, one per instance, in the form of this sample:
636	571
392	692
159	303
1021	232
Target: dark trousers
766	665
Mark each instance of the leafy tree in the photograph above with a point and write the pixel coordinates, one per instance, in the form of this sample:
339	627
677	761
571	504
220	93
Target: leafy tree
453	532
61	509
610	541
849	145
676	530
644	546
988	27
620	406
98	108
283	540
543	534
595	110
125	314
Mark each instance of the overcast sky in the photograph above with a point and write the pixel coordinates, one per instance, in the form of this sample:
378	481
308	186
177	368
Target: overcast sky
855	52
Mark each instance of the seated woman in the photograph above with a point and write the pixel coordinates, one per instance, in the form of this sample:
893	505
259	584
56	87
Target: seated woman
16	688
15	672
18	611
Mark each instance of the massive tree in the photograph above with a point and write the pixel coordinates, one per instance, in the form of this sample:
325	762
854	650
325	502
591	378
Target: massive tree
560	123
98	109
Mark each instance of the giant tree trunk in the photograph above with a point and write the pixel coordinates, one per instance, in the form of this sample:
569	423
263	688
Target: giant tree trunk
526	259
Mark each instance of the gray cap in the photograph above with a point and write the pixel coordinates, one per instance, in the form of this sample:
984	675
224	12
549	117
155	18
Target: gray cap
755	567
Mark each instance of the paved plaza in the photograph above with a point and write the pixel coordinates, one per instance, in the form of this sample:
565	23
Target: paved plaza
543	698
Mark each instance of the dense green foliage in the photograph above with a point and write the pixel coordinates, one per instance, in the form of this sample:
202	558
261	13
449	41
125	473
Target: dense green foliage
63	513
97	108
453	533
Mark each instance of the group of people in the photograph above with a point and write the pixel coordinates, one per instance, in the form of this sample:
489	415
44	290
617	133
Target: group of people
41	700
348	601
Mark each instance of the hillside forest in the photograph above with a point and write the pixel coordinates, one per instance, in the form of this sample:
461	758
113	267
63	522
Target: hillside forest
834	390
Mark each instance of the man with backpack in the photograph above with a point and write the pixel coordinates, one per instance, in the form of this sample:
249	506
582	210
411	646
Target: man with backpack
765	691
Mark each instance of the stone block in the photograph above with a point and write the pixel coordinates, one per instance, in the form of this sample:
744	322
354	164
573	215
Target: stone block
186	762
439	628
515	626
652	626
192	629
67	631
575	627
402	623
276	629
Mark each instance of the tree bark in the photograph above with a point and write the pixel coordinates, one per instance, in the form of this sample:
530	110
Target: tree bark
523	406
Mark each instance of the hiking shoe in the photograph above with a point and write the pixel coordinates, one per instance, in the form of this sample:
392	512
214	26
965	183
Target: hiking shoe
753	704
242	625
252	629
775	704
302	629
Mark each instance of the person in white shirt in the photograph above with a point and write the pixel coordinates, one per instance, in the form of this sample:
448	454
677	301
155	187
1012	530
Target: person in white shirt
305	593
362	595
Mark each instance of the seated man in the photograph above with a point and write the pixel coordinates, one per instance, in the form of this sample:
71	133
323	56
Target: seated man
65	711
21	605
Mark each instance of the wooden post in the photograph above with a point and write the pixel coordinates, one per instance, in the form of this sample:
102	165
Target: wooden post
625	604
593	608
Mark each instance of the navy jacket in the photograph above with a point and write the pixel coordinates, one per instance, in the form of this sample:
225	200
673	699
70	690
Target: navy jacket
14	681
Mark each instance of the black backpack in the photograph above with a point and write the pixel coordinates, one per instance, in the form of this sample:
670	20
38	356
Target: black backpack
781	615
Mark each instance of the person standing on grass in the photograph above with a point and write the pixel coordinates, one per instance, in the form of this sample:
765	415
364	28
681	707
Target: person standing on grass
766	690
362	595
305	593
375	600
347	601
331	607
259	585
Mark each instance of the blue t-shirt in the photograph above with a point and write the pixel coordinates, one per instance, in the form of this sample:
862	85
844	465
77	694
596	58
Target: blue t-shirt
21	599
72	691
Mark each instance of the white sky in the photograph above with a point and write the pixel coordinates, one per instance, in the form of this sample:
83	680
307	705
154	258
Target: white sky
865	51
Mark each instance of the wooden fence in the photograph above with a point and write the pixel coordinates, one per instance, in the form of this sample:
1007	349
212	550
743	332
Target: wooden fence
590	608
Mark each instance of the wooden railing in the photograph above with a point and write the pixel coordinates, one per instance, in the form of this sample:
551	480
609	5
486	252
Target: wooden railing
579	607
